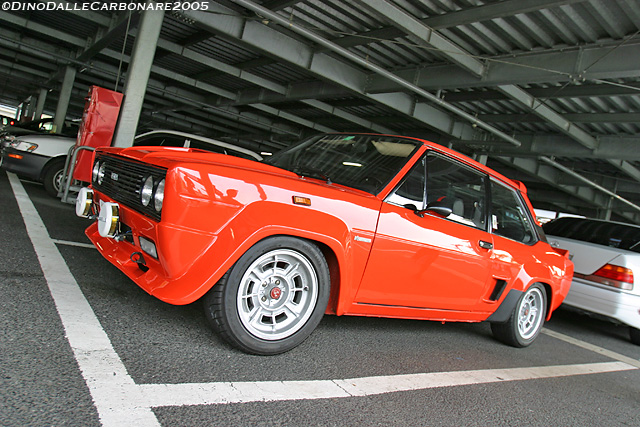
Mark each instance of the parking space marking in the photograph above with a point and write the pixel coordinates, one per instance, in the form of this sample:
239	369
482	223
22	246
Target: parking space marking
110	385
120	401
70	243
596	349
158	395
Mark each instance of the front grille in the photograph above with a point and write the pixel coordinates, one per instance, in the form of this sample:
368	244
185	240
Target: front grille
123	179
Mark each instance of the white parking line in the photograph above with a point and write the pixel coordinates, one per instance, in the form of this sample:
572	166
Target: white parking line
591	347
268	391
111	387
120	401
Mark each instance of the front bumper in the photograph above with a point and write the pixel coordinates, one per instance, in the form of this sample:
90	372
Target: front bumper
184	269
29	165
616	304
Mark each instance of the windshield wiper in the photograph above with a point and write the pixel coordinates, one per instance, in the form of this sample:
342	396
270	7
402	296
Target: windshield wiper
311	172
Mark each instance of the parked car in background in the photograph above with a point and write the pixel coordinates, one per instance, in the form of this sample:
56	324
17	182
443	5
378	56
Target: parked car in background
606	255
346	224
40	157
172	138
44	126
6	121
70	127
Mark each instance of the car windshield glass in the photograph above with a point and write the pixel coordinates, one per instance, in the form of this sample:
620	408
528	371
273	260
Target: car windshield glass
365	162
604	233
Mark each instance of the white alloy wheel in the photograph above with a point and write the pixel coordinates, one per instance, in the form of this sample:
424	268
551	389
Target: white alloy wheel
277	294
530	313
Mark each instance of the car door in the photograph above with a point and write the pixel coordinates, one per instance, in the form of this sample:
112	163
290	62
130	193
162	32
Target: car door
425	260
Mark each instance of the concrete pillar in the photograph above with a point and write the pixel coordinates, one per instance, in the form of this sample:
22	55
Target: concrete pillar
65	96
42	97
482	158
138	72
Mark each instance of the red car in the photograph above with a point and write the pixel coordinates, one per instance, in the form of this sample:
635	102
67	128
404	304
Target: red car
345	224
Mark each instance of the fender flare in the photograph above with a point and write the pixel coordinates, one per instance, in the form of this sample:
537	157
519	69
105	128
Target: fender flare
506	307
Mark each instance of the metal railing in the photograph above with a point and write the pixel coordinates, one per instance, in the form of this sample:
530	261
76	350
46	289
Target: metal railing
69	168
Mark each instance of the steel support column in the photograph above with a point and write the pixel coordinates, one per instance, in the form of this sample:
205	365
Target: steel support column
63	100
138	76
42	97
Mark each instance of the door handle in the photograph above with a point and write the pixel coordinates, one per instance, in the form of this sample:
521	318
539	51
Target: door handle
485	245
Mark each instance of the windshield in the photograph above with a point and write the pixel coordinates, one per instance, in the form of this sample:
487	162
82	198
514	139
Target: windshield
365	162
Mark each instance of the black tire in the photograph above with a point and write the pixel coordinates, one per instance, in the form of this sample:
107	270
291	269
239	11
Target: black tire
526	320
52	177
277	311
634	335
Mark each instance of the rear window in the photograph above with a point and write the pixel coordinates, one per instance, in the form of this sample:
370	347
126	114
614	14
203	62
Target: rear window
599	232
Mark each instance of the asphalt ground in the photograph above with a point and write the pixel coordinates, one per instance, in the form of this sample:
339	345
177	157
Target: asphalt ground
81	345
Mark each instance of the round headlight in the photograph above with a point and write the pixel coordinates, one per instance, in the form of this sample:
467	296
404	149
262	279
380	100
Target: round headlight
100	176
94	171
158	197
147	191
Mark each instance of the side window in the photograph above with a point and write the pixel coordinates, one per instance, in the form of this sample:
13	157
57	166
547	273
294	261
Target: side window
438	181
456	186
509	217
411	191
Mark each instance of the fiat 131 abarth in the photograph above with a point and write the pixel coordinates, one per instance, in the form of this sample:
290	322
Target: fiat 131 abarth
344	224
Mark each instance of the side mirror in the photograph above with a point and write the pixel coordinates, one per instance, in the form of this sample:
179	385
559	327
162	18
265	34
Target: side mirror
436	208
443	211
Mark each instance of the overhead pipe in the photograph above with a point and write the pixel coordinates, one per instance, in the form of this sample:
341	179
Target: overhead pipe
576	175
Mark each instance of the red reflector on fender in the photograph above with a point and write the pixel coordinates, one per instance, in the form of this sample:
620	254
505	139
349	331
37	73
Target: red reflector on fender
15	156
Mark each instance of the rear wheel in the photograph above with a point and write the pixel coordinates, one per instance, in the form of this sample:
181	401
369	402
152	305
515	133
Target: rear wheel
634	334
52	178
272	298
526	320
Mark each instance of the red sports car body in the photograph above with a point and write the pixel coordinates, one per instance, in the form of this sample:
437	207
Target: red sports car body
355	224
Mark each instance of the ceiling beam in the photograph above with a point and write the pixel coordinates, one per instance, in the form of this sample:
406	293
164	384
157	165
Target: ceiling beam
550	175
430	38
549	66
573	117
454	19
608	147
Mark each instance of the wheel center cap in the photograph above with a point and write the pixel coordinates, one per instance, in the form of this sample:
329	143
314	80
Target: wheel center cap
275	293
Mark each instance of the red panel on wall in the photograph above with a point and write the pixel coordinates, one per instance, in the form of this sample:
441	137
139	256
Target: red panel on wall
99	120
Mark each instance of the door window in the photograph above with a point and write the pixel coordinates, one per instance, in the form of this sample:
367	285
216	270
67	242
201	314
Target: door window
509	216
448	184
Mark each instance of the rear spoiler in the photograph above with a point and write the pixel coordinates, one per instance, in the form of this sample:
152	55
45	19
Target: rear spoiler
563	252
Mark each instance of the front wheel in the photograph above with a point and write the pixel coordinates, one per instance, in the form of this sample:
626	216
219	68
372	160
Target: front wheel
634	334
526	320
272	298
53	177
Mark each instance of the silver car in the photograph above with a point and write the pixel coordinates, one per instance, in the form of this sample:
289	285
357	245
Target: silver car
606	255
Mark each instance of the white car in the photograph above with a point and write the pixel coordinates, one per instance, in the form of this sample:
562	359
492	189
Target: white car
173	138
40	157
606	255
